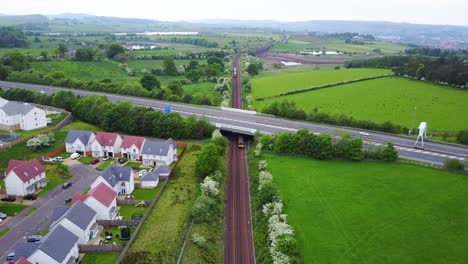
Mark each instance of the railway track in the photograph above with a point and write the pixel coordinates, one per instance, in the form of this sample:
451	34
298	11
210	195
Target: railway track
238	237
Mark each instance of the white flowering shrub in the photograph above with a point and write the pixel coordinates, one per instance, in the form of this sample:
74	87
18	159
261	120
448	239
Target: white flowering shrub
209	187
40	141
216	133
262	165
264	178
258	149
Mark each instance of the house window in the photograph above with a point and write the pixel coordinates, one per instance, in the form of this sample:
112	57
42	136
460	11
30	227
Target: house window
122	184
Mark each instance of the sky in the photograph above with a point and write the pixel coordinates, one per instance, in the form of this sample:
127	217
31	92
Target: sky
447	12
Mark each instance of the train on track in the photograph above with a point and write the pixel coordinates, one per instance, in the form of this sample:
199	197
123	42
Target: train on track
234	72
240	142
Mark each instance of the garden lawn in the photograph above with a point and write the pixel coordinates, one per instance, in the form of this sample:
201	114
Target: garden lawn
147	193
370	212
100	258
53	179
389	99
11	209
106	164
163	232
126	211
86	160
274	84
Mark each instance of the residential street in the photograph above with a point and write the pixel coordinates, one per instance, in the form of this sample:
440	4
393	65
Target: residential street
21	226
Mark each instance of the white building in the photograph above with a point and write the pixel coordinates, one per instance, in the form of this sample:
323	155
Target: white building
80	219
149	180
21	116
156	153
59	247
131	147
79	141
24	177
120	179
101	199
106	144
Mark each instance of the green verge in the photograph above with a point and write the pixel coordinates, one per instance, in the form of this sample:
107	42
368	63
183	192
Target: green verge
105	165
4	231
163	232
11	209
213	232
373	212
100	258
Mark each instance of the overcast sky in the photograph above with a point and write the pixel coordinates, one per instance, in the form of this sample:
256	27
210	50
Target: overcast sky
451	12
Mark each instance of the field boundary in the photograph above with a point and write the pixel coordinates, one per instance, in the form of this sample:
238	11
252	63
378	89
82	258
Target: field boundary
313	88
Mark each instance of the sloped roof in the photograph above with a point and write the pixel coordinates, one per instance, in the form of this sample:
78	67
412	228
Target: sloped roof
14	108
79	197
128	141
59	212
25	170
24	249
103	193
59	243
156	147
80	214
106	138
83	135
149	176
163	169
3	101
114	174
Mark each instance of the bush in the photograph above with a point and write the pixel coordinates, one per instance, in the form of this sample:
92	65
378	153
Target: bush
198	240
203	209
209	187
462	137
390	153
454	164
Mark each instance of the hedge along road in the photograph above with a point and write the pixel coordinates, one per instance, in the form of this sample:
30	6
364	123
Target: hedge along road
435	153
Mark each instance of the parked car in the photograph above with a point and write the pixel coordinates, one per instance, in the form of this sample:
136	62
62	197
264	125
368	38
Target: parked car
105	158
10	256
66	185
121	160
362	133
94	161
69	199
31	196
58	159
33	238
47	160
140	173
74	156
129	196
9	198
3	216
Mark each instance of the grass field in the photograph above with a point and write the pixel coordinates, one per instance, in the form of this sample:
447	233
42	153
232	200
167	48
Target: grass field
347	212
276	83
101	258
332	44
163	231
389	99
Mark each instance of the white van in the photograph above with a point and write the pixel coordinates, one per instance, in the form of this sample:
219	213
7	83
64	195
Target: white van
75	156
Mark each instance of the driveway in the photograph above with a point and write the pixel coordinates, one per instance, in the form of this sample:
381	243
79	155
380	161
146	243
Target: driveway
41	219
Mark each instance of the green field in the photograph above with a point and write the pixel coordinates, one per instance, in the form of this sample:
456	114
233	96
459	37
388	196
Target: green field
276	83
369	212
333	44
389	99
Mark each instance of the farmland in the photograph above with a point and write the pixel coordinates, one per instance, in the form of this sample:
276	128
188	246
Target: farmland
389	99
370	212
269	84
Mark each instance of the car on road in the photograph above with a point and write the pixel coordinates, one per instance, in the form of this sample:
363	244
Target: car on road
33	238
66	185
31	196
69	199
105	158
362	133
58	159
74	156
3	216
94	161
10	256
9	198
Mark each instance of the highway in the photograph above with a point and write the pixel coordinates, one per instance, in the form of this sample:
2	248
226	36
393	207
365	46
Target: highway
433	152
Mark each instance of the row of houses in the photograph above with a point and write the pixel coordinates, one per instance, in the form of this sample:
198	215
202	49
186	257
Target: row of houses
150	152
21	116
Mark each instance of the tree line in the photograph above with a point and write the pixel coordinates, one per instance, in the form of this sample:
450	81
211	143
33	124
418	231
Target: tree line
12	38
443	70
194	41
119	116
436	52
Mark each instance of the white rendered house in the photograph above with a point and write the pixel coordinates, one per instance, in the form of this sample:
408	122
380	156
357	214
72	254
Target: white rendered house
79	141
156	153
24	177
21	116
106	144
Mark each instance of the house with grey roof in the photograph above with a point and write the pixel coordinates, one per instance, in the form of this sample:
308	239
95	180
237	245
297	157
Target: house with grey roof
24	249
119	178
21	116
79	141
149	180
80	219
59	247
163	171
156	153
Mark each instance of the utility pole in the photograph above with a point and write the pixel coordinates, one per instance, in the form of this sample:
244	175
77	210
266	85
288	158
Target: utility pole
414	119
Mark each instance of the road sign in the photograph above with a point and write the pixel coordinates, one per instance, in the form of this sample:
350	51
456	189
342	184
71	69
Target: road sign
167	108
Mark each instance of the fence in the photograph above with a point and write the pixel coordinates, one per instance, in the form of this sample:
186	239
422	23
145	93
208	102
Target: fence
145	216
100	248
117	222
62	123
132	202
56	152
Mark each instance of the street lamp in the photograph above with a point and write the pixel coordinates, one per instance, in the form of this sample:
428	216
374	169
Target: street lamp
414	118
